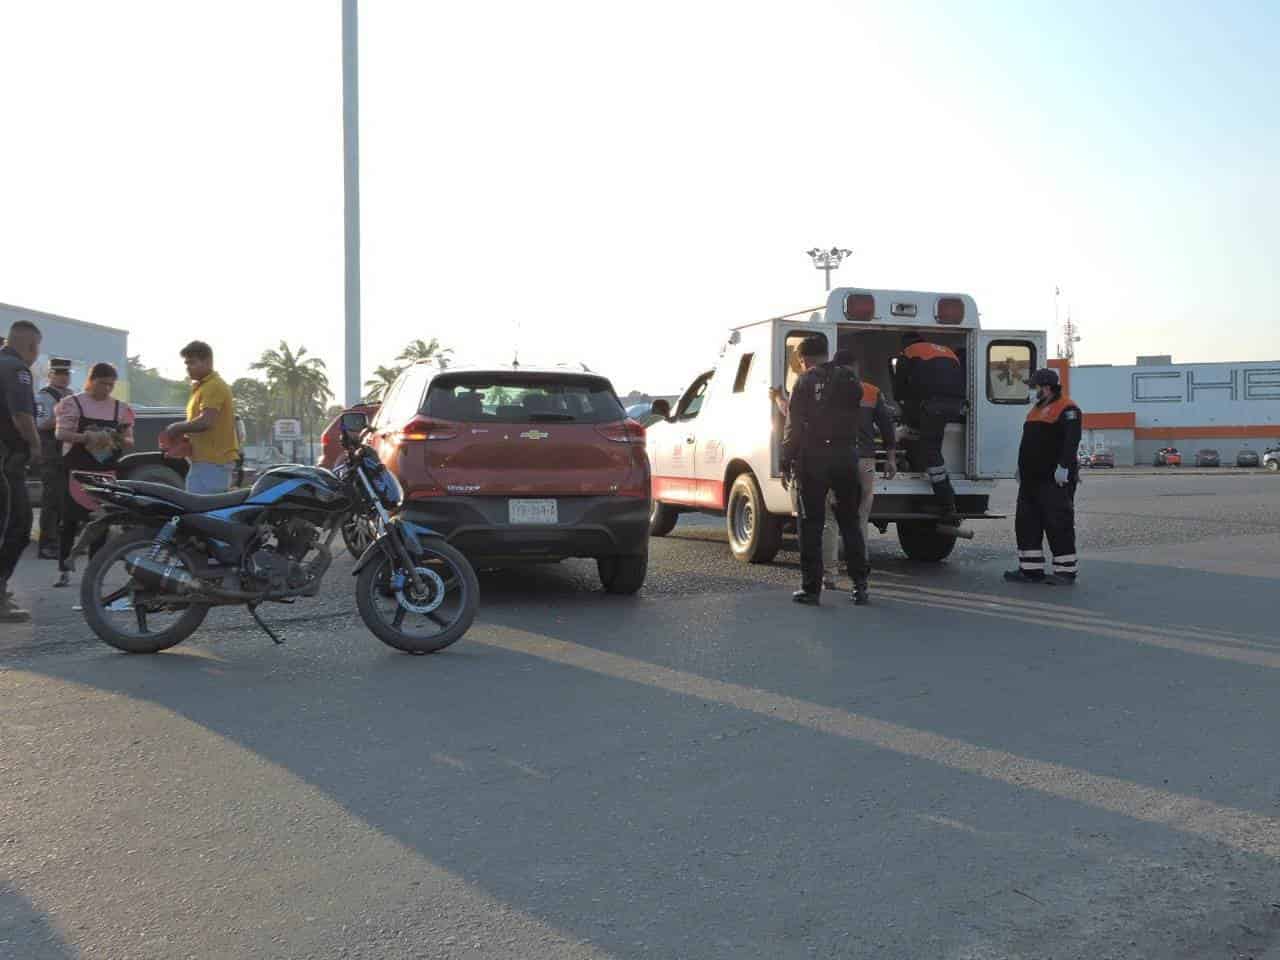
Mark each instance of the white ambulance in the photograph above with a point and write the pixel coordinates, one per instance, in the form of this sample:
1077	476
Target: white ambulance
718	449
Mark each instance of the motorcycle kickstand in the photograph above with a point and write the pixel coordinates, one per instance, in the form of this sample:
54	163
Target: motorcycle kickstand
253	612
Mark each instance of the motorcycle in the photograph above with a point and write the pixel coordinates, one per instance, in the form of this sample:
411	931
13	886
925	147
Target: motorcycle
180	554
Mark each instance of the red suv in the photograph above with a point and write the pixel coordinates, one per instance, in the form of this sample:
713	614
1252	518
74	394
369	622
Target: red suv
516	465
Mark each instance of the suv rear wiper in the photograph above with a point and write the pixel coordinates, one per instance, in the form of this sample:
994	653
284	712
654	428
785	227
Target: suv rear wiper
545	417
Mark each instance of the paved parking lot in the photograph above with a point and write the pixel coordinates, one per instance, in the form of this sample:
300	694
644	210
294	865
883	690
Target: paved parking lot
965	769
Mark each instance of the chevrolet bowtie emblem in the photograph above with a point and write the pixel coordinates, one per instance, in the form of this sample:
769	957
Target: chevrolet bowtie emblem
534	435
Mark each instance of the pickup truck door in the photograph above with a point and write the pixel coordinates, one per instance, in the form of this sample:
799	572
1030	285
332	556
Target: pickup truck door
674	480
999	399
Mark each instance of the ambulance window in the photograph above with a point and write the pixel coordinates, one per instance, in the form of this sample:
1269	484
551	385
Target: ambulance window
1009	364
691	402
794	339
744	370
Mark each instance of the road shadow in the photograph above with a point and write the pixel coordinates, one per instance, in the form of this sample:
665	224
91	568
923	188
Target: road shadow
653	822
26	933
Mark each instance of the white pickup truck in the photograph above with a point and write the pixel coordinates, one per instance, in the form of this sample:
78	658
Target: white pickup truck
718	449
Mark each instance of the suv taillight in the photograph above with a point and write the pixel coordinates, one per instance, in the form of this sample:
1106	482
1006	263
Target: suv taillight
422	428
622	431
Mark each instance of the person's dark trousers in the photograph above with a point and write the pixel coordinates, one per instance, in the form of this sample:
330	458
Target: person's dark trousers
1046	511
926	451
73	515
820	473
15	513
53	489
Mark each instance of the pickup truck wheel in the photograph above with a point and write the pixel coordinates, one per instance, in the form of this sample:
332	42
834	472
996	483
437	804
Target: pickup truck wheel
1273	466
755	535
922	543
154	473
662	519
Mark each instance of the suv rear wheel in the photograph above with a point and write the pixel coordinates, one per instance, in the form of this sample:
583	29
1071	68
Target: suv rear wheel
755	535
623	575
662	519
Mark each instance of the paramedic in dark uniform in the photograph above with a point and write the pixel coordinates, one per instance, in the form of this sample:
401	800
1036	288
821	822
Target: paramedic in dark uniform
819	452
19	446
53	475
1047	478
930	386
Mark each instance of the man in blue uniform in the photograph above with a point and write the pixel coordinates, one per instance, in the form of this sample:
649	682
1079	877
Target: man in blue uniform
19	446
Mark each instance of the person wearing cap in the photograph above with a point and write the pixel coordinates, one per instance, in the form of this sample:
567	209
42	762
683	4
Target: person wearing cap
53	475
930	386
820	455
1047	476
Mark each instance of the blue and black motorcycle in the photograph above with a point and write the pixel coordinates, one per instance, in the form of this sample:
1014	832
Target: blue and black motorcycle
151	585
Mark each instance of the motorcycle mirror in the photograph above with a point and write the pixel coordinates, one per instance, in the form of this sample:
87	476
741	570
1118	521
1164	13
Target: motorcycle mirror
355	423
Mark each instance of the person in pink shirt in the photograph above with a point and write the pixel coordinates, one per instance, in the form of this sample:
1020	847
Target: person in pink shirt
95	431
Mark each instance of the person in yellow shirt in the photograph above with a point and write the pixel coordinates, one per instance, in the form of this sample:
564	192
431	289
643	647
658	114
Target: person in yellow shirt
210	425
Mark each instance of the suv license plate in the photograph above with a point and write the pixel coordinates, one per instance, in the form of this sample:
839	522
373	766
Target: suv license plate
532	511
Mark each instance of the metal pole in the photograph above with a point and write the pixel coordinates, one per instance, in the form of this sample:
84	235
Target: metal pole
351	199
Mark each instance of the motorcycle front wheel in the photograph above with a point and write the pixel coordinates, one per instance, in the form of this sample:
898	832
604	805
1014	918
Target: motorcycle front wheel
416	621
124	613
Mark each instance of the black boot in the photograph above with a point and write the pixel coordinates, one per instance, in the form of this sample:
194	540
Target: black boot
1021	576
806	597
861	596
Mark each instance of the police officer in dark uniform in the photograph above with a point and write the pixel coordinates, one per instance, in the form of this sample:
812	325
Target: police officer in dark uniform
1047	476
53	475
19	446
820	455
930	386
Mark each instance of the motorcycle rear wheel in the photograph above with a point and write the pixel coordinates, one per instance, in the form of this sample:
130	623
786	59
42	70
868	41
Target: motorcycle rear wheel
449	606
184	620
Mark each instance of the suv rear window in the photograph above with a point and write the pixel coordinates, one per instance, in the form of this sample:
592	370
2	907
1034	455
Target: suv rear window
522	398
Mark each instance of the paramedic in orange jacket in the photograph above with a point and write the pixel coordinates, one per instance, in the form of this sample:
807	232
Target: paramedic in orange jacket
1047	476
929	385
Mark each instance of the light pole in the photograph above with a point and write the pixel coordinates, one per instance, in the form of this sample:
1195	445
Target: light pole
351	200
828	260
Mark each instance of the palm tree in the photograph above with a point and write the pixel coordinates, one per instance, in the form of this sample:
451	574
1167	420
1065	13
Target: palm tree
383	378
296	379
425	350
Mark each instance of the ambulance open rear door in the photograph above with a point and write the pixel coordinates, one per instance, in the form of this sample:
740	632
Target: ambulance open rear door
999	398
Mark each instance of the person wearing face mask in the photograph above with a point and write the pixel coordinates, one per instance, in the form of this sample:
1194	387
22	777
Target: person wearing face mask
95	430
1047	476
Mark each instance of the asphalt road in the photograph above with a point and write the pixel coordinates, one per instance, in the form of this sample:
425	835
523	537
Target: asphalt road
965	769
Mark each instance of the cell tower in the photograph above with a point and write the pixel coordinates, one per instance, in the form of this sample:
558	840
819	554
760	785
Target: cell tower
1067	349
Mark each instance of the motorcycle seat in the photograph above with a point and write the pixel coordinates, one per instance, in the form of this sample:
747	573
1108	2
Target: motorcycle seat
190	502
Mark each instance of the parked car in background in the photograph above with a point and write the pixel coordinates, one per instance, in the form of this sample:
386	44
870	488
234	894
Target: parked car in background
1168	457
331	439
1271	460
147	461
1102	458
514	465
1208	458
1248	458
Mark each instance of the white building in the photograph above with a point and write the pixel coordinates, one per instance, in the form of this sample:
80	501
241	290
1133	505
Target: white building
84	344
1135	410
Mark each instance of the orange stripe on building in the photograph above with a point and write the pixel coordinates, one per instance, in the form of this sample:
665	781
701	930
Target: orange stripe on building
1110	421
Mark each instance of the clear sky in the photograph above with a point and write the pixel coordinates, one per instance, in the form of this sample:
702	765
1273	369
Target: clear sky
619	184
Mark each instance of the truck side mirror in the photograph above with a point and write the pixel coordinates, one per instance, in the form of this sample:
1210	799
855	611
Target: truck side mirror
661	408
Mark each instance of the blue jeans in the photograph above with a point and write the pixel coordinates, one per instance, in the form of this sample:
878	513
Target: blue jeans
209	477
